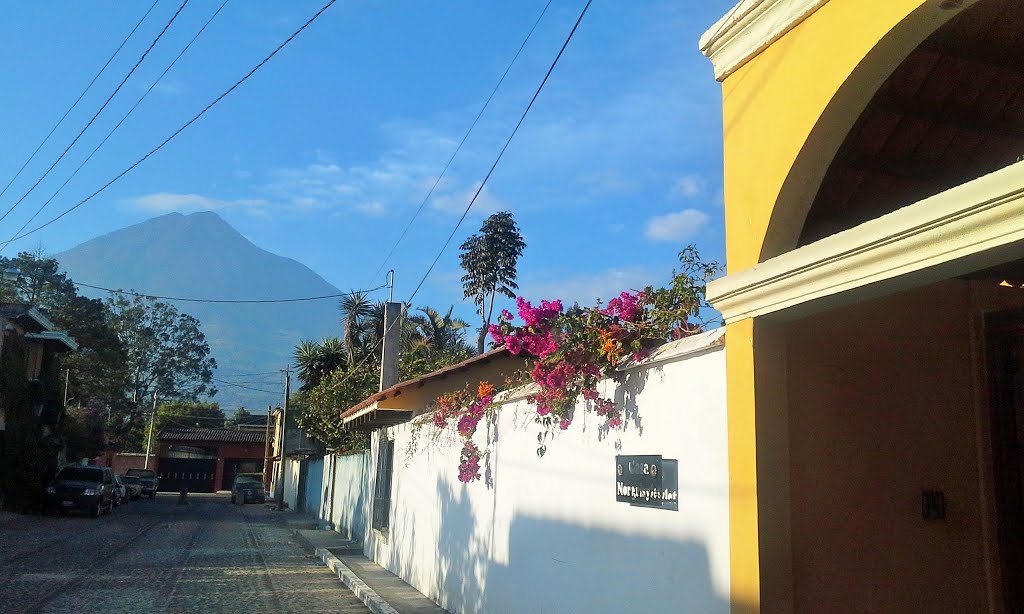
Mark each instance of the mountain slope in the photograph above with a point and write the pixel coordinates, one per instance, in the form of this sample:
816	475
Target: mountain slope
202	256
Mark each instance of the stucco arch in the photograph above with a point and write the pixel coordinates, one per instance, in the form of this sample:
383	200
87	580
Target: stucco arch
835	121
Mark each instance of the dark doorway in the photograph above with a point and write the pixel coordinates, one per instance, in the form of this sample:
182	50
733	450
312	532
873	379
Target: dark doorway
1005	342
195	474
300	495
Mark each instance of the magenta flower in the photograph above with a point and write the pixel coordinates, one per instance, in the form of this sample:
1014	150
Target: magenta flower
564	424
495	332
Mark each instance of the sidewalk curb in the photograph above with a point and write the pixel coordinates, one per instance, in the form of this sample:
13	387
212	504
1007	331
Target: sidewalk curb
367	595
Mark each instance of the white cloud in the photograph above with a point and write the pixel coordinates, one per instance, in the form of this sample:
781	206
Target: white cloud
607	182
455	202
685	187
678	226
167	202
587	288
373	208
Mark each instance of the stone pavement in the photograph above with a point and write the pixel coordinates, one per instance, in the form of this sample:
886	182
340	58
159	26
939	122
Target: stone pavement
156	556
382	591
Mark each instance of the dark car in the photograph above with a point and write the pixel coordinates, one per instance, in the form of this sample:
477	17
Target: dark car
89	489
148	478
132	486
248	487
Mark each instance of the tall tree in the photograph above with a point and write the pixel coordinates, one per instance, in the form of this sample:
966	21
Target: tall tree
355	308
489	260
167	353
237	418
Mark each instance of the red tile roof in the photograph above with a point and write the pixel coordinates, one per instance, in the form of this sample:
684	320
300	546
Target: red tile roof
177	433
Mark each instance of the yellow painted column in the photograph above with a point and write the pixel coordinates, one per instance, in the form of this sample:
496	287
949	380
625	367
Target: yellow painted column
744	568
761	564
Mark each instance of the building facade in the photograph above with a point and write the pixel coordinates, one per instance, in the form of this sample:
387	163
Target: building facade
31	402
205	459
873	303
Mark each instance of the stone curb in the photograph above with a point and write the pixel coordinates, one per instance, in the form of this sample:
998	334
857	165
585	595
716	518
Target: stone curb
360	589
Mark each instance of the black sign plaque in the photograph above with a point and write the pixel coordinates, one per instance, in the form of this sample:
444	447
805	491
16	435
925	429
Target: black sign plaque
647	480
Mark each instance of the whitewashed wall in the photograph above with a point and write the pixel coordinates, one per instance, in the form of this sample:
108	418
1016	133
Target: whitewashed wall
345	480
545	534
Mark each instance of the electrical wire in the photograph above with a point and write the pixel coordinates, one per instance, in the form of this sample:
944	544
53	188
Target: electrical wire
458	148
220	381
224	300
502	152
97	114
117	125
181	129
77	100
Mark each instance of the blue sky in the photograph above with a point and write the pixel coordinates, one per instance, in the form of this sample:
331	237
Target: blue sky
325	153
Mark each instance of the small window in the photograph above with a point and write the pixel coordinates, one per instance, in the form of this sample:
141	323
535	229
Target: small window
382	490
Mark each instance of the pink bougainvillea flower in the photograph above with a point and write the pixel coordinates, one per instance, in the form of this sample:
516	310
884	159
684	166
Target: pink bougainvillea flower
615	422
495	331
507	315
564	423
514	344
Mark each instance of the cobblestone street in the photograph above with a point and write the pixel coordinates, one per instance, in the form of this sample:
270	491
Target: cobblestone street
157	556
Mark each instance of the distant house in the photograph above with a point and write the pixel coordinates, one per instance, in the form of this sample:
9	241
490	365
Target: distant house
31	403
207	460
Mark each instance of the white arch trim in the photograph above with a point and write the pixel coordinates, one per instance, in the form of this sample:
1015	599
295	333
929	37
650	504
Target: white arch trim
962	230
749	28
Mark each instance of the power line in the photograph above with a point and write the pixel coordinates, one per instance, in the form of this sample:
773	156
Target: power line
118	124
458	148
97	114
181	129
220	381
502	152
77	100
224	300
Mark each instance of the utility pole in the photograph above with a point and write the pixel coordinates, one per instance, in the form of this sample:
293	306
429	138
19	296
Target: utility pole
67	381
149	440
284	437
266	453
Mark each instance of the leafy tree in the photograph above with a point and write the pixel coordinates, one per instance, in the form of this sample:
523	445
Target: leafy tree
236	419
167	353
84	431
489	260
40	281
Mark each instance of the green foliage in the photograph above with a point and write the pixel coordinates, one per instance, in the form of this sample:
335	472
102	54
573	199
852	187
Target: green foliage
84	429
489	260
237	418
167	354
315	360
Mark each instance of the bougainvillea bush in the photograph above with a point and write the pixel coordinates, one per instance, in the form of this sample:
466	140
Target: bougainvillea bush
569	350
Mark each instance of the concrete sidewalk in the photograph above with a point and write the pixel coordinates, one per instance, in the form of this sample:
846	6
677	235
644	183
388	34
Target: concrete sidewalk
382	591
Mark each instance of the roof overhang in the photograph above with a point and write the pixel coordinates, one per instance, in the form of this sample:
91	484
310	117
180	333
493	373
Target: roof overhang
965	229
56	337
399	403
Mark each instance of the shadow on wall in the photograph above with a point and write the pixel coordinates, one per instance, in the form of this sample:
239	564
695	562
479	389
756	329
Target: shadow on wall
554	566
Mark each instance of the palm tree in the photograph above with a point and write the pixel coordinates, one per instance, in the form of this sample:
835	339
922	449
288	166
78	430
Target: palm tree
355	309
316	360
443	334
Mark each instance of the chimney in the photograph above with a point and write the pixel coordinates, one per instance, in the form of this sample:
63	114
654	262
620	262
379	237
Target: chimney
392	341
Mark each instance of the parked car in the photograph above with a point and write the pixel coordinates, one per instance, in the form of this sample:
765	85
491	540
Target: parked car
120	494
248	487
132	486
149	480
90	489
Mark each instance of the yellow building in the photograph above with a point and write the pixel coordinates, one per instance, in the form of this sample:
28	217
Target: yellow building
873	301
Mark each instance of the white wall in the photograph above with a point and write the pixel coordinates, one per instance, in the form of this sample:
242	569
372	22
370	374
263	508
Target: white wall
545	534
345	494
